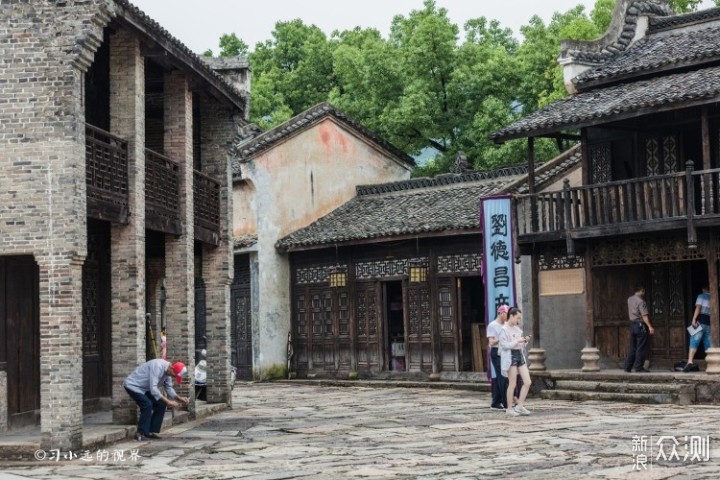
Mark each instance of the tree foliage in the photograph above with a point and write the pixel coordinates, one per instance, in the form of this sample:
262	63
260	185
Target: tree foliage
429	86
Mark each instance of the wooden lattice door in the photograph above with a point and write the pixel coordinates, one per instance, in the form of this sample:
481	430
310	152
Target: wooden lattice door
241	319
369	333
418	343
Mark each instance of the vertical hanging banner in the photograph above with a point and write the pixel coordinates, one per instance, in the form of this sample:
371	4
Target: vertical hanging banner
498	267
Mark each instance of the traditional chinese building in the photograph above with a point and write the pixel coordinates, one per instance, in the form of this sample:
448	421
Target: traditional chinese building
644	101
116	202
283	180
390	281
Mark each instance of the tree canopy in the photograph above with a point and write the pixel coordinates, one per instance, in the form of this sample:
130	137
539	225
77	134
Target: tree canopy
430	88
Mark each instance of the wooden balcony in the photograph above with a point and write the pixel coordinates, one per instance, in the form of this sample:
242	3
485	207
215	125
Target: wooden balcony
676	201
106	175
162	194
206	201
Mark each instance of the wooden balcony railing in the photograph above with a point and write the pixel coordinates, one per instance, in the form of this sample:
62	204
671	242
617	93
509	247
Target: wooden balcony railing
162	193
206	201
662	202
106	175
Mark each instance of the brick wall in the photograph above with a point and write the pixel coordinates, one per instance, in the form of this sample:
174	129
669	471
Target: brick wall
44	49
218	131
179	253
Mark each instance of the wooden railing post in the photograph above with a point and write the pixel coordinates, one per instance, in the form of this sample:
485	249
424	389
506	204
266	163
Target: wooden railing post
570	244
690	204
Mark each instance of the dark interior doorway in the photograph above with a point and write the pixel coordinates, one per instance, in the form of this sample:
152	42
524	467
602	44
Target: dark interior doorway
395	321
697	279
20	338
472	316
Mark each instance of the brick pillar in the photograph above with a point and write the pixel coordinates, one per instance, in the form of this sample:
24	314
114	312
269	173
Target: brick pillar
127	120
217	131
61	351
179	258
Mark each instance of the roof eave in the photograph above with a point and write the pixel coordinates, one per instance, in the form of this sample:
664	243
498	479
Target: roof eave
186	59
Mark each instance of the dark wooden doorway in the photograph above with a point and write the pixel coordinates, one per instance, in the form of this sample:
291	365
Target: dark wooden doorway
19	337
418	345
471	299
666	294
241	319
394	325
97	322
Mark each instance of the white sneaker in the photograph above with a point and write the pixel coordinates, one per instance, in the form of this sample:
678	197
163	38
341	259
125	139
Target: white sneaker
512	413
521	410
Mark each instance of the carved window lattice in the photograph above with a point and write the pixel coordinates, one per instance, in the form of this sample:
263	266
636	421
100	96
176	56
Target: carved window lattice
445	310
241	308
366	313
419	311
560	261
670	154
316	314
316	274
328	329
301	316
661	155
659	293
459	263
600	156
91	276
384	268
677	307
343	314
652	156
641	250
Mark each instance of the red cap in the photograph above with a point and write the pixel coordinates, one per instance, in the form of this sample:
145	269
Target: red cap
180	371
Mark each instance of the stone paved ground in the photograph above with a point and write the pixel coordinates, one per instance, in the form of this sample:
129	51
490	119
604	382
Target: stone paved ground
280	431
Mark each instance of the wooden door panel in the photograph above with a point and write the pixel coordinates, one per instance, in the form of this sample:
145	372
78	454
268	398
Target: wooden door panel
369	355
20	315
447	325
241	320
418	328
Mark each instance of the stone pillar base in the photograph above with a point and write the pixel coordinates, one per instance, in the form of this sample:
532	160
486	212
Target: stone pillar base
590	357
536	359
712	359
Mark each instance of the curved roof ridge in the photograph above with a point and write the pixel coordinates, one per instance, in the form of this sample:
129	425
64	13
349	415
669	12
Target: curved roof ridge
440	180
658	24
619	35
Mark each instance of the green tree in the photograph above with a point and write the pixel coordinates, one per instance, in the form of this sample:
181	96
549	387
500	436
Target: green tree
291	72
232	46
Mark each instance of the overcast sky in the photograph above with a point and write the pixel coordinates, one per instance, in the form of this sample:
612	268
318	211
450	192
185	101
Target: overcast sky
199	23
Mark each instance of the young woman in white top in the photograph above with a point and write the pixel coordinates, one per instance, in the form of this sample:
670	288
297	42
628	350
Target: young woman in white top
513	361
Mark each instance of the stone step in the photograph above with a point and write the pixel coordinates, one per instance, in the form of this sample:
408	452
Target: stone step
481	386
623	386
648	398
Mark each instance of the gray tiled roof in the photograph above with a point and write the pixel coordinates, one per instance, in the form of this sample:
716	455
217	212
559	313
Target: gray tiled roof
673	21
418	206
618	101
655	53
266	140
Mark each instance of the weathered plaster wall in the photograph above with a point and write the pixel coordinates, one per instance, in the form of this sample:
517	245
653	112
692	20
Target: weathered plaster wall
562	323
296	182
3	401
244	209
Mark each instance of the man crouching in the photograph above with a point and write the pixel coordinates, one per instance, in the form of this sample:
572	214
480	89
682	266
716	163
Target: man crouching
143	386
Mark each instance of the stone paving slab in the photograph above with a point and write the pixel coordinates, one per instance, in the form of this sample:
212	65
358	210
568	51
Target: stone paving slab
291	431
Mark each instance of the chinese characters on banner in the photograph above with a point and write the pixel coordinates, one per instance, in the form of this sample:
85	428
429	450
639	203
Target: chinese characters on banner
498	271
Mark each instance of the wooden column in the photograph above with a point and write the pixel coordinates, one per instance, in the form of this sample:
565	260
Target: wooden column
352	305
705	128
590	355
535	286
712	264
